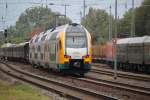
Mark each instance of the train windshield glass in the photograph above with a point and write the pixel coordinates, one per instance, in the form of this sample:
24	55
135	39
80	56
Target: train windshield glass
75	37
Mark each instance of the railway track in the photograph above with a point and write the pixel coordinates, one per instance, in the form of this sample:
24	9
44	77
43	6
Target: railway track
55	86
120	86
101	65
121	74
113	85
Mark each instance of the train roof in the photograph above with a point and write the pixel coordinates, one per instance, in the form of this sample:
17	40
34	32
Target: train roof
137	40
33	39
46	34
53	33
123	41
147	40
7	45
22	44
134	40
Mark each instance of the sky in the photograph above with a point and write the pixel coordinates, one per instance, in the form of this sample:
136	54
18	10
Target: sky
10	15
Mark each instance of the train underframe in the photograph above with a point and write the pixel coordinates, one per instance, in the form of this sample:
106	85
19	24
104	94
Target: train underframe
17	59
125	66
75	66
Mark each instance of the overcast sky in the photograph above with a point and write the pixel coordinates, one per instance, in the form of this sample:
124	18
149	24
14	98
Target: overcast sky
16	7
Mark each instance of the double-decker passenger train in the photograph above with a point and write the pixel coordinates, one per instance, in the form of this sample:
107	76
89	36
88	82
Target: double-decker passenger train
65	48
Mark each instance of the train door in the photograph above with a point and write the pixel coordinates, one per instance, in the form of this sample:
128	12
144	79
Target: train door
58	47
53	50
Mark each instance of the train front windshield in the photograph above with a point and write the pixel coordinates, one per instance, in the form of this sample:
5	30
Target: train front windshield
76	37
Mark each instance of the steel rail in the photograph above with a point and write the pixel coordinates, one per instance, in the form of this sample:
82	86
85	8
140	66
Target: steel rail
121	74
80	93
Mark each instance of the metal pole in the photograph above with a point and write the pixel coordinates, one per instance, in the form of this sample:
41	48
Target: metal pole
56	18
65	10
133	20
3	22
115	59
110	22
65	13
46	4
80	15
83	8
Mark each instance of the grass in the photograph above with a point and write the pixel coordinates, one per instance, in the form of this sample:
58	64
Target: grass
20	92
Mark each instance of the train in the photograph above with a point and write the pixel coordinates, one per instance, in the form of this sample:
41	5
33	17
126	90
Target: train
66	48
133	54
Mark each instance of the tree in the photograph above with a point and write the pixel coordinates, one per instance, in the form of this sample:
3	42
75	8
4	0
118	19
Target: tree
142	20
96	21
32	19
124	24
142	24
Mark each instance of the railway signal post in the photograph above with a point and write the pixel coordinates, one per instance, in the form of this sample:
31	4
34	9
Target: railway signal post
115	58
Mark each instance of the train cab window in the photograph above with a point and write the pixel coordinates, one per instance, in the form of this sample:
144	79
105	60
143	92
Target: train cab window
76	37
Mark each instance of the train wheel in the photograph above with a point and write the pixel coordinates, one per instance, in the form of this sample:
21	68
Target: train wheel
34	66
81	74
148	69
122	66
131	68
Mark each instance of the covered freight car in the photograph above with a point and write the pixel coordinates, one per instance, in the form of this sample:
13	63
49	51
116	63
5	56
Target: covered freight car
133	53
17	52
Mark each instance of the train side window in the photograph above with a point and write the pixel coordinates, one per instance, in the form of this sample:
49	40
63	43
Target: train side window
45	48
35	55
43	38
30	55
41	56
36	39
39	49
